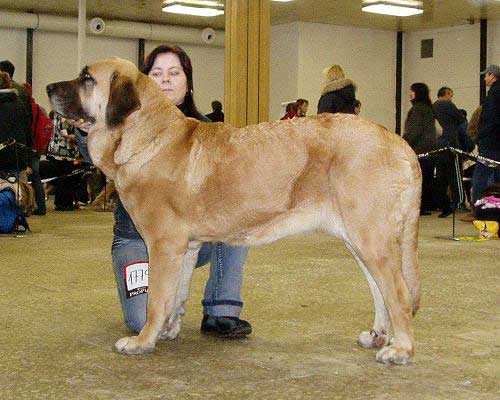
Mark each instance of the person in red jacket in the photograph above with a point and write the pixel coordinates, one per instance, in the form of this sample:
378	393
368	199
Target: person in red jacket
291	111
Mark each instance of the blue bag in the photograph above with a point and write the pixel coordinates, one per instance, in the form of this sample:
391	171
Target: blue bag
8	211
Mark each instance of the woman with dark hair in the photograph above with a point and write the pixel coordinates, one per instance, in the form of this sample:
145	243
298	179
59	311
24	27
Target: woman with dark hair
170	67
291	111
420	133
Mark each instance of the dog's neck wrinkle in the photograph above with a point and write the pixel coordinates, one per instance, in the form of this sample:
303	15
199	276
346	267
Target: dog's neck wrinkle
102	146
144	129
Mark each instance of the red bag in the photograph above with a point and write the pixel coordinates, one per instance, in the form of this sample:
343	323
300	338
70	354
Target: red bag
41	129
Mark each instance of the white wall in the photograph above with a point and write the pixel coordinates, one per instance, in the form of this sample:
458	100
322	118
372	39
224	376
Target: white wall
299	53
455	64
367	56
494	42
283	67
55	59
13	48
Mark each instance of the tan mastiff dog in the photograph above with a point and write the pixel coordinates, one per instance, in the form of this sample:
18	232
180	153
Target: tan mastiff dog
184	182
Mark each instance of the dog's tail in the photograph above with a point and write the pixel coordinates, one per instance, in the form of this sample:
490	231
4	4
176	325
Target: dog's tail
409	240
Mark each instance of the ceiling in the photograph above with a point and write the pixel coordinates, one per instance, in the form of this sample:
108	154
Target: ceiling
437	14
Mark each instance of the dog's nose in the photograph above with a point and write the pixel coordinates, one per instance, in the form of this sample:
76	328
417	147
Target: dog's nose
50	88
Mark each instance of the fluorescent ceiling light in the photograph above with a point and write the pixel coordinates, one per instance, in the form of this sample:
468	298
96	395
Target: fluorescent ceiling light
200	3
194	7
402	8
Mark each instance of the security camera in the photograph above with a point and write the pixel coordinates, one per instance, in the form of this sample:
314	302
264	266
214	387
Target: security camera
208	35
97	25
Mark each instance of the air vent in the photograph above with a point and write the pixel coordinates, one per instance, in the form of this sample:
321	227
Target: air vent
427	48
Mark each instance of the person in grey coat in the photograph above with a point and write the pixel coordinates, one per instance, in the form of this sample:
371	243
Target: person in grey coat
420	133
450	118
488	137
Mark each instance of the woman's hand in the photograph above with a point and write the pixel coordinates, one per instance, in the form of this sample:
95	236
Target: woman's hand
80	124
69	137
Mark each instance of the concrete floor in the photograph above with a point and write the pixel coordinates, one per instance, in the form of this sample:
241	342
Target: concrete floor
305	297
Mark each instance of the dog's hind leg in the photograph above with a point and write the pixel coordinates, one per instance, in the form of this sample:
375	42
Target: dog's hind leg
382	257
379	336
173	326
166	254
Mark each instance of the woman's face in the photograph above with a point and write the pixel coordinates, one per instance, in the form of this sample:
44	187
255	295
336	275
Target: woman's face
412	95
167	72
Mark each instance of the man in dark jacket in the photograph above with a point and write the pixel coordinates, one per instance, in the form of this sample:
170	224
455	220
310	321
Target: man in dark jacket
24	95
450	118
14	124
488	138
216	115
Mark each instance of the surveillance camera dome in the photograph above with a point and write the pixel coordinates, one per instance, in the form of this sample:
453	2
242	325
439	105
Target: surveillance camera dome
97	25
208	35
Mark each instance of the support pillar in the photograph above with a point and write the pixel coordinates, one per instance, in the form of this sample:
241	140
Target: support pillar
399	79
29	56
246	82
483	57
82	32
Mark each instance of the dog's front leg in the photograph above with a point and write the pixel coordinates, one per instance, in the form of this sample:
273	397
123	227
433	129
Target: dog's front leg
165	265
173	325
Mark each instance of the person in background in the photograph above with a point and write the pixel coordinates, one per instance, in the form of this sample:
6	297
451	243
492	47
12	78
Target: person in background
216	115
302	106
420	133
291	111
488	138
24	95
469	165
473	125
14	124
338	94
357	107
465	142
34	167
170	67
450	119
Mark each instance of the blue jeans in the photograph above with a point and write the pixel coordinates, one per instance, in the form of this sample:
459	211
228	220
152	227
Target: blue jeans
223	289
484	176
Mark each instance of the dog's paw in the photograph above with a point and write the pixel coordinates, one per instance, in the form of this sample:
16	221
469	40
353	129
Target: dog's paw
131	346
394	355
172	331
373	339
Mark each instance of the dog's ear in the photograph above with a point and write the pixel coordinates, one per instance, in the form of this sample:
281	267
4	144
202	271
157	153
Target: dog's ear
123	100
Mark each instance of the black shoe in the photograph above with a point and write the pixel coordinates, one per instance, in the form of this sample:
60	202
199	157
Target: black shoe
64	208
445	213
424	212
38	212
225	327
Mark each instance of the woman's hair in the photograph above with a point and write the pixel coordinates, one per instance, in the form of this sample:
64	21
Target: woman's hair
216	105
301	101
4	80
291	107
334	73
187	107
421	91
443	91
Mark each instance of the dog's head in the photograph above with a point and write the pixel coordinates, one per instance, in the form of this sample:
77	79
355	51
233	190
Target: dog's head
104	91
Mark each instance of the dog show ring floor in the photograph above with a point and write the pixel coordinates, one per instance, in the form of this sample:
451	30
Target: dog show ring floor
305	297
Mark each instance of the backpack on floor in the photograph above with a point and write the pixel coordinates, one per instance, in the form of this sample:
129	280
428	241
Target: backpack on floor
10	214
